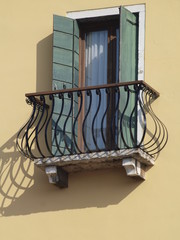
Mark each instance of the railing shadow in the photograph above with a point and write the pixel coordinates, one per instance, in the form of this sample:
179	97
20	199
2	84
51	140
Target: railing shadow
24	189
16	174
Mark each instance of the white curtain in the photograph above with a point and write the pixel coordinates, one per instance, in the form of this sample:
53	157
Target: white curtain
96	74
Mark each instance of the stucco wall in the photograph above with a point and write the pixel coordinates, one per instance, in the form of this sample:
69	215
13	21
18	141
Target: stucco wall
97	205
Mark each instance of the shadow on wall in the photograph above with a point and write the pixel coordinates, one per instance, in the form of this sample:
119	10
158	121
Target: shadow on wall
44	64
16	174
24	189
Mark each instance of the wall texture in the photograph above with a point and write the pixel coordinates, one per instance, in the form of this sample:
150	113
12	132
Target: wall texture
97	205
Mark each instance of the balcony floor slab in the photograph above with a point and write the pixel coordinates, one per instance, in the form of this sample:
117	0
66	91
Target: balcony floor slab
95	160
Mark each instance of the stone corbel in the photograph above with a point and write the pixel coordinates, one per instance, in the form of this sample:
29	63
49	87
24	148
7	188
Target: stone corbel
133	168
57	175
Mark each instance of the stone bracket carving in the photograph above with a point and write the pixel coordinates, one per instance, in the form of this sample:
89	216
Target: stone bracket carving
57	175
133	168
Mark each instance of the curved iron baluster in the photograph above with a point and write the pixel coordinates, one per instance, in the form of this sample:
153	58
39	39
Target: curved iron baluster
51	98
126	89
98	92
61	96
114	116
165	136
70	95
89	94
134	111
28	150
117	90
79	94
20	146
162	127
112	119
155	138
144	101
142	113
27	137
37	129
105	113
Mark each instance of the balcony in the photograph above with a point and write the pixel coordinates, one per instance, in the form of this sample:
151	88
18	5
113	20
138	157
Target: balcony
91	128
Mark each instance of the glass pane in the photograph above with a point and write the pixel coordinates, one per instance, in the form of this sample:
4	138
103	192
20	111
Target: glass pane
96	58
96	74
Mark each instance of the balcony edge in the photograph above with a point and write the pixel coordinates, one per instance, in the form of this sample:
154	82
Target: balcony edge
96	160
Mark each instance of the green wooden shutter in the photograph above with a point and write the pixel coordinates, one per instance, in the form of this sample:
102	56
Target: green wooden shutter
128	65
65	72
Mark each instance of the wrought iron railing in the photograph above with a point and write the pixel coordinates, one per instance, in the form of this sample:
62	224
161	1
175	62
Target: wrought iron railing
92	119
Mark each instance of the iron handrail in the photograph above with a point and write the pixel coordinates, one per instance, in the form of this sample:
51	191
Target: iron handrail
139	82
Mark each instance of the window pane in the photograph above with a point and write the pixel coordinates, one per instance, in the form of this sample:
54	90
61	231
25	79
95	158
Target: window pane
96	74
96	58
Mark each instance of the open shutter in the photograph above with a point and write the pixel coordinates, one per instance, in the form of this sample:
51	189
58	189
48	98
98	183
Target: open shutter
128	65
128	46
65	72
65	53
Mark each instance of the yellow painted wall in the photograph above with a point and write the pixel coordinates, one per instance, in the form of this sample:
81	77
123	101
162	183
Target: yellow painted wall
97	205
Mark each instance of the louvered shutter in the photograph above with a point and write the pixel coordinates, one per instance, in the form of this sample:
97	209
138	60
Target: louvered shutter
128	65
65	73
